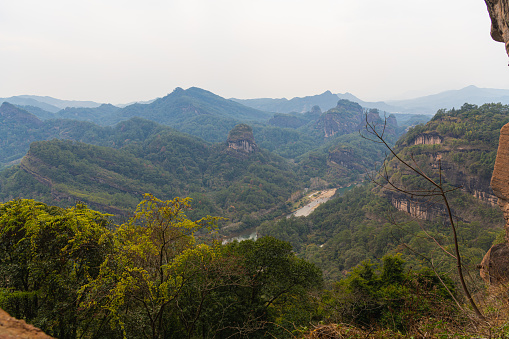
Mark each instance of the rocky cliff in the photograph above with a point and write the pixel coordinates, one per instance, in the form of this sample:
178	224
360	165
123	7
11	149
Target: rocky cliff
241	139
499	15
431	138
349	117
495	265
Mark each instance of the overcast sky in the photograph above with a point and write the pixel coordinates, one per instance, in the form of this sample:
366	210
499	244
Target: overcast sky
122	51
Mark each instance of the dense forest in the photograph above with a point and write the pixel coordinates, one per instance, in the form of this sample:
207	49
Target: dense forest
118	231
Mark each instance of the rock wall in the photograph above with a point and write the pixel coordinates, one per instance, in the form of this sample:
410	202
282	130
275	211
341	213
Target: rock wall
243	146
428	139
495	265
241	139
500	178
420	209
499	15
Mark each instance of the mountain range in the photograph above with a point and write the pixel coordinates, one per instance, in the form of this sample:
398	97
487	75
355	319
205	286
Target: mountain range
427	105
46	107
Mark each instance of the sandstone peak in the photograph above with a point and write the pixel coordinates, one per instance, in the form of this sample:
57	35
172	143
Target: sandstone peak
495	265
241	138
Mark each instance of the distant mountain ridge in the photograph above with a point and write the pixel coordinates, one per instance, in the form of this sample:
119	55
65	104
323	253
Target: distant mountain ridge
452	99
326	101
47	103
428	105
210	116
194	111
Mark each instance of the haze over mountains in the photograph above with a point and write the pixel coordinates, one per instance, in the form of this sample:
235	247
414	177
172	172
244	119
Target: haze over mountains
421	105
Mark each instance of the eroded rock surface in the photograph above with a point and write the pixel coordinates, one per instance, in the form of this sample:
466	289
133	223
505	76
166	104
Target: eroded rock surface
11	328
495	265
241	139
499	15
500	178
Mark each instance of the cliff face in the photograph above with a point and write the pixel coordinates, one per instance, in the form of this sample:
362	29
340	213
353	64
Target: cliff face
420	209
499	14
495	265
428	139
241	139
349	117
500	178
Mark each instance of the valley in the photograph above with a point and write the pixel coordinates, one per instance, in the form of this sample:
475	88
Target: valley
310	188
312	201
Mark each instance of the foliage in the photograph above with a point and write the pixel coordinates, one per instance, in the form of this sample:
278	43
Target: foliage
389	296
66	272
47	253
143	273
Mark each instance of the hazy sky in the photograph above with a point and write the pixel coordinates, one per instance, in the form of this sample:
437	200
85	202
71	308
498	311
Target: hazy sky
121	51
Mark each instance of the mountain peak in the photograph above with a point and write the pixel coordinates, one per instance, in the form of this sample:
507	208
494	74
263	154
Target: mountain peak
10	112
241	139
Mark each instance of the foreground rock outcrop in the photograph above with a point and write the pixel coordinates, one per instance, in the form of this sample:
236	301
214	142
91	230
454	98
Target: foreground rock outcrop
11	328
495	265
500	178
499	15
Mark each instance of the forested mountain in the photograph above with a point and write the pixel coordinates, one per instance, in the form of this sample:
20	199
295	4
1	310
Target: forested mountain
194	111
325	101
426	105
97	115
261	286
47	103
19	128
109	168
158	160
369	222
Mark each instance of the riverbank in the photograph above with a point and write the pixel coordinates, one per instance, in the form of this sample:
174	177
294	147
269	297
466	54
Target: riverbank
316	199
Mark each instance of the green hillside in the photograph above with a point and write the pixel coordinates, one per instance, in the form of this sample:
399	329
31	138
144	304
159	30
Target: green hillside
367	222
166	164
380	266
194	111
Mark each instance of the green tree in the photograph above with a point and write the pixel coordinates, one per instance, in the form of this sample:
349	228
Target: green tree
388	296
143	276
46	254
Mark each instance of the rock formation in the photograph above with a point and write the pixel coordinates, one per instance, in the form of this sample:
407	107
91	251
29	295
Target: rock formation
499	15
428	139
495	265
500	178
241	139
11	328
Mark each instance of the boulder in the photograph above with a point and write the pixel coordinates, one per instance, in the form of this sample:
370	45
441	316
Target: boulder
11	328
